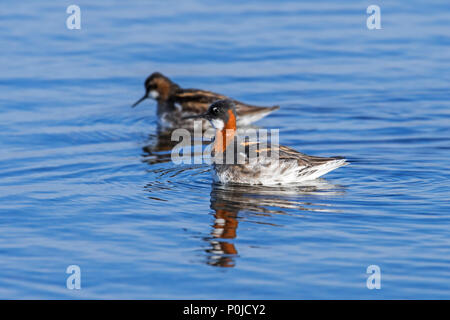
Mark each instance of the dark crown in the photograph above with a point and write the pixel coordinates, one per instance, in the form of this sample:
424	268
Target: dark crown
220	108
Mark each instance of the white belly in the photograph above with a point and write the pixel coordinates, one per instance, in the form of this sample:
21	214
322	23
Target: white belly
273	172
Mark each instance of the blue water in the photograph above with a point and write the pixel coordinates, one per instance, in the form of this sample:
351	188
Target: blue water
85	180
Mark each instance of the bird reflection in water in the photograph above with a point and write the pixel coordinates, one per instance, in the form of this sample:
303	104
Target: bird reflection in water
236	203
222	251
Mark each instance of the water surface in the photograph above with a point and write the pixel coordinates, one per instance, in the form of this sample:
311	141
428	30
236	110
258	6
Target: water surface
85	179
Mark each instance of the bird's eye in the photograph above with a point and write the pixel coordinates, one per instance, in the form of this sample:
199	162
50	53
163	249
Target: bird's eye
215	110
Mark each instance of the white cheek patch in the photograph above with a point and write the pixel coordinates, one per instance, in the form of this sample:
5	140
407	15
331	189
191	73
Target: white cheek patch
217	124
154	94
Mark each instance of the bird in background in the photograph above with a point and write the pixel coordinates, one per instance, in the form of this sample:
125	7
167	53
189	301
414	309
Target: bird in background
174	104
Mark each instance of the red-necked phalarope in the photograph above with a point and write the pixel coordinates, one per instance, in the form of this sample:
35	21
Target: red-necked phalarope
289	166
175	103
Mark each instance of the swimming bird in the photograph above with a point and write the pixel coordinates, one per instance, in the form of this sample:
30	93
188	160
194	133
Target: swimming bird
256	162
175	103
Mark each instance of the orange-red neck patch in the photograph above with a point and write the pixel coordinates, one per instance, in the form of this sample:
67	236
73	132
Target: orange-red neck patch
225	136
